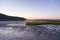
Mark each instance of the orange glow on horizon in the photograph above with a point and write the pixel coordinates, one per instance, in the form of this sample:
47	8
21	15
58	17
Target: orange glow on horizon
43	17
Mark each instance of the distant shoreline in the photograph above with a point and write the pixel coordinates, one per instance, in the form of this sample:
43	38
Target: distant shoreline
43	23
4	17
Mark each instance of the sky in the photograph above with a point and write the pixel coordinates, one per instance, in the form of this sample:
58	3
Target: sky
31	9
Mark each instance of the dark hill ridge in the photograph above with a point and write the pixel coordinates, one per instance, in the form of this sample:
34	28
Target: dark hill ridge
4	17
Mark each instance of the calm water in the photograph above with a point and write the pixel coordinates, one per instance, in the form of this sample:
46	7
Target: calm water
17	30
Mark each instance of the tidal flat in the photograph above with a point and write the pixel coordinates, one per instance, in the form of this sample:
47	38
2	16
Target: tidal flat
17	30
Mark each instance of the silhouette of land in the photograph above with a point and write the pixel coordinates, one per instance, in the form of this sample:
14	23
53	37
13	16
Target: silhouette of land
4	17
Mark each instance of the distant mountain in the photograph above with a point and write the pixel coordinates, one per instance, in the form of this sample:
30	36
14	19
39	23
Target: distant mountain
4	17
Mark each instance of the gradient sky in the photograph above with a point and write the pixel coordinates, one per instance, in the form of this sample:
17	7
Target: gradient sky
31	9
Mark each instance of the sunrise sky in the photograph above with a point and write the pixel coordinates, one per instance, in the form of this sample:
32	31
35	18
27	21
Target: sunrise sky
31	9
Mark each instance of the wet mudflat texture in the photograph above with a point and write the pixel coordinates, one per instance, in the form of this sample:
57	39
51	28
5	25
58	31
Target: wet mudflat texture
36	32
